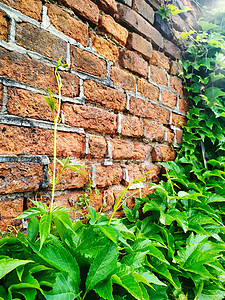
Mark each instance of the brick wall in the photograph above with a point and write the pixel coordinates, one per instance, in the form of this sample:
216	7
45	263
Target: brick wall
123	103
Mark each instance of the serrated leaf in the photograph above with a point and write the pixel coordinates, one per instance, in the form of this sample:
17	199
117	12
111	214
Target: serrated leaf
33	228
104	289
103	265
45	224
9	264
30	212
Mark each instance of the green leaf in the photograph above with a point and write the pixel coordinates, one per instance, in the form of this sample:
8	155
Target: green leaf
63	288
30	212
45	224
103	265
104	289
185	35
206	26
9	264
33	228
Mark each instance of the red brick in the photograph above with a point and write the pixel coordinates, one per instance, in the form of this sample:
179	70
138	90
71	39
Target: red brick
135	171
31	8
162	153
154	131
169	98
158	75
147	89
153	172
71	179
90	118
138	24
176	68
129	150
183	105
133	62
123	79
97	147
68	25
85	8
20	177
160	60
30	71
178	120
146	109
179	136
10	209
139	44
87	62
172	50
109	26
28	105
109	175
33	38
145	10
169	135
176	85
22	140
107	5
4	26
1	95
105	48
99	94
132	126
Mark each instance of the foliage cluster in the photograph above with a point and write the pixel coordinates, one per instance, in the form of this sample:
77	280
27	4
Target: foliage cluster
170	245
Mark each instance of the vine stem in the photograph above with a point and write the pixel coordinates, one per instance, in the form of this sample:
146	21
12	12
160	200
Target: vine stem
56	120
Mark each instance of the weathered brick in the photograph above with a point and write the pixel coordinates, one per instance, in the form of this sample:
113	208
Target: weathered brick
162	153
97	147
147	89
68	25
156	3
129	150
131	126
4	26
39	40
109	175
160	60
90	118
145	10
87	62
179	136
31	8
153	172
20	177
107	5
183	105
158	75
109	26
176	85
1	95
71	179
154	131
146	109
176	68
31	71
133	62
85	8
169	135
172	50
99	94
28	105
123	79
23	140
105	48
140	45
135	171
139	24
169	98
178	120
10	209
